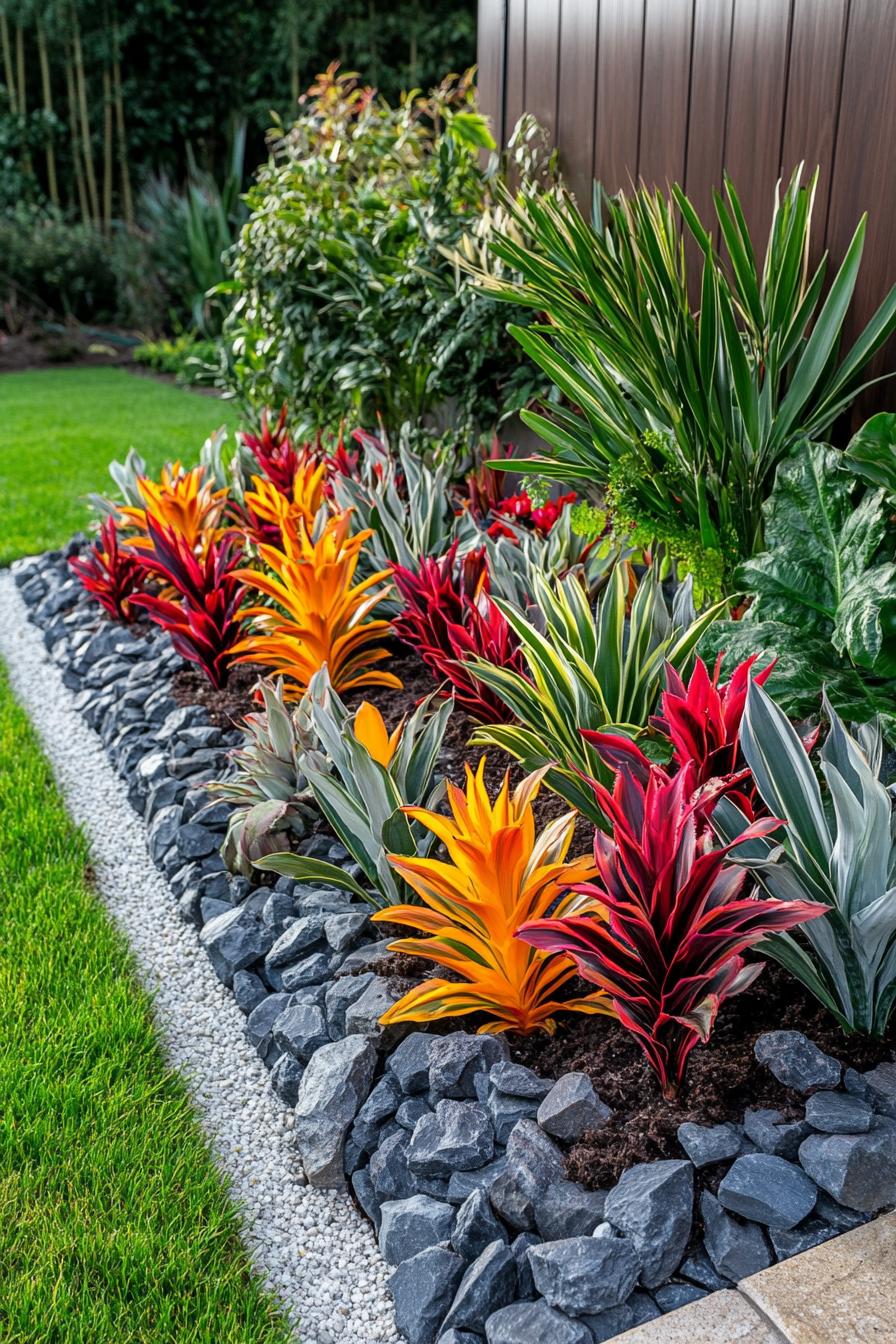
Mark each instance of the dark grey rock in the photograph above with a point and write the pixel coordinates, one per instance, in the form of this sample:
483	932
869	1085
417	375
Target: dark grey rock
408	1226
363	1015
343	931
454	1060
362	957
300	1030
585	1275
505	1111
700	1270
195	841
210	908
488	1284
671	1296
476	1226
859	1170
410	1110
461	1184
366	1195
515	1080
389	1169
278	908
773	1134
652	1203
571	1107
838	1113
422	1290
163	830
260	1022
457	1136
311	970
340	995
409	1062
705	1144
880	1088
248	990
838	1215
459	1337
379	1107
767	1190
795	1240
335	1086
567	1209
300	937
234	940
534	1323
520	1247
534	1162
736	1249
796	1062
610	1323
286	1075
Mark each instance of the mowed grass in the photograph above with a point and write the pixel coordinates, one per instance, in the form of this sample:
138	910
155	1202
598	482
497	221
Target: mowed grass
60	429
114	1224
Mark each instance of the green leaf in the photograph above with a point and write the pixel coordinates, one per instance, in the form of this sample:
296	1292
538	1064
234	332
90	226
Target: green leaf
871	452
312	870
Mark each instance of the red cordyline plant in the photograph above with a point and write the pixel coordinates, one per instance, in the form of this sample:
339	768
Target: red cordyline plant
274	452
449	618
203	622
668	951
110	573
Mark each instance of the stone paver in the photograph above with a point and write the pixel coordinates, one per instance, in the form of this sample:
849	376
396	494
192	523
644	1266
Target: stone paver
721	1318
842	1291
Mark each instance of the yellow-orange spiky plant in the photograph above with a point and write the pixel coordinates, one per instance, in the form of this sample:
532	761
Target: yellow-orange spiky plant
268	512
497	874
322	616
183	501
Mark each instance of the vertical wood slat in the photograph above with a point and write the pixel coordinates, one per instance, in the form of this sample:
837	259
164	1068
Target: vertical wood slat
665	90
813	87
578	87
542	58
515	70
709	103
490	56
618	105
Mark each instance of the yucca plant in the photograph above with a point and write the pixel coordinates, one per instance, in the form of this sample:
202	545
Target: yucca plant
682	410
498	874
369	776
838	850
676	916
322	618
110	573
587	668
267	788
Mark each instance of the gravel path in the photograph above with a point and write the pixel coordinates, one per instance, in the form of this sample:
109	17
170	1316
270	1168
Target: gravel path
310	1247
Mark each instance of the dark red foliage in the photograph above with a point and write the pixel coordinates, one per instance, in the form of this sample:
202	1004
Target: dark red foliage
541	517
669	950
489	500
110	574
274	452
449	618
203	622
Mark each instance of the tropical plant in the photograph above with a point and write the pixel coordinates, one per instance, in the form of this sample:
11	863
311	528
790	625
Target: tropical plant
871	453
181	501
267	788
274	452
109	573
824	593
449	618
203	620
682	411
587	668
667	947
837	850
369	776
267	512
498	875
321	617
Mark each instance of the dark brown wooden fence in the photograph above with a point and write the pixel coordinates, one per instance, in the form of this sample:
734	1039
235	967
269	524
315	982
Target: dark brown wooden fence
678	90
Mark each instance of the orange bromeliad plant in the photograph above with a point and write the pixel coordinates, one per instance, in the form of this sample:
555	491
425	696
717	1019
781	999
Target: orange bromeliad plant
181	501
321	617
269	511
497	874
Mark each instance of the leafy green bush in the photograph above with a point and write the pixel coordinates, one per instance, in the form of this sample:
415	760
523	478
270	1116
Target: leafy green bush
185	357
51	265
347	302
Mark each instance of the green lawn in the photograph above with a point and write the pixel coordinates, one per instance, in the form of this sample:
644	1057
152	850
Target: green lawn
114	1226
60	429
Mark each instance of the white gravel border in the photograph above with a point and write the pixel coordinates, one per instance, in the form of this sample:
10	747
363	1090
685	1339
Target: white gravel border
310	1247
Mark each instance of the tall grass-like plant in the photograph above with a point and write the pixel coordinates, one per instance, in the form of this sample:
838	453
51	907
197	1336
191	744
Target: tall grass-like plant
681	408
587	667
837	850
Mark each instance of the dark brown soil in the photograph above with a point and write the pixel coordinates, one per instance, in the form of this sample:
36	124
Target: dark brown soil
224	707
723	1078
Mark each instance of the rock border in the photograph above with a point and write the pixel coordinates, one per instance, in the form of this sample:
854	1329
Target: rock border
456	1154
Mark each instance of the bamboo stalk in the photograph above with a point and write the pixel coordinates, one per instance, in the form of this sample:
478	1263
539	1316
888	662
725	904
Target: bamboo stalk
294	54
124	171
20	71
107	148
8	73
86	146
52	182
77	161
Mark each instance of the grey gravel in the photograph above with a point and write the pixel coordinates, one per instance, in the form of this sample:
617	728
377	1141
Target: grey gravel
311	1248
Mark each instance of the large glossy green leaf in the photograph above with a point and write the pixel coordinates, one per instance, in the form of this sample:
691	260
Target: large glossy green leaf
871	453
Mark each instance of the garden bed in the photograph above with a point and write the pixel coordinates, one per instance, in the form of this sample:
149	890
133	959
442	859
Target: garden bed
465	1151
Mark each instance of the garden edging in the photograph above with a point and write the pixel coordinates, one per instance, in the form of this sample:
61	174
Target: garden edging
449	1136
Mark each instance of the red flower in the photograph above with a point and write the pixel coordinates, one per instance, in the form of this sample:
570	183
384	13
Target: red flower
111	575
274	452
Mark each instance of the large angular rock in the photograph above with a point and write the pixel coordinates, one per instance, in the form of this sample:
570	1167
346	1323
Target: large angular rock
456	1059
340	995
880	1088
505	1111
409	1062
343	931
488	1284
389	1167
334	1087
859	1170
408	1226
248	990
362	1017
839	1113
585	1275
571	1107
515	1080
461	1184
301	1030
793	1241
533	1163
767	1190
422	1290
286	1076
457	1136
735	1249
699	1269
771	1132
234	940
796	1062
525	1286
260	1022
379	1107
476	1226
534	1323
653	1203
567	1209
307	972
706	1144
